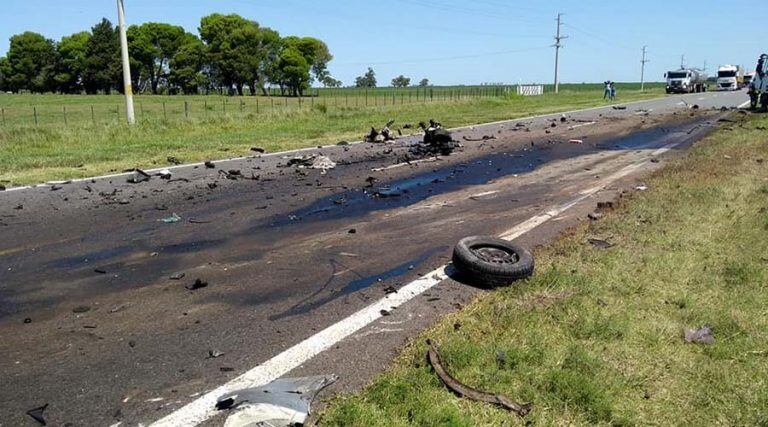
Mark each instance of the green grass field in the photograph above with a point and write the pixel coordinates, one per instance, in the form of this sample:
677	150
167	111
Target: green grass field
596	336
46	137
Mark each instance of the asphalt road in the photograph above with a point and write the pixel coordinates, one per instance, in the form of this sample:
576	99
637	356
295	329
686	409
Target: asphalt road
98	324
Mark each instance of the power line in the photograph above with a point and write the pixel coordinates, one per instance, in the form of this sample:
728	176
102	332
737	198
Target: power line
445	58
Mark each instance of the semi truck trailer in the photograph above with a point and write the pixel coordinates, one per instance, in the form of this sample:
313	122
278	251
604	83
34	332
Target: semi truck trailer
688	80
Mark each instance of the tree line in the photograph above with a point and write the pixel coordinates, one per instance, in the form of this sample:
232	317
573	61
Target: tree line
230	53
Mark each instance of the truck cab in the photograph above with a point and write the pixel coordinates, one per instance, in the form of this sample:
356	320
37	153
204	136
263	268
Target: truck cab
686	81
730	77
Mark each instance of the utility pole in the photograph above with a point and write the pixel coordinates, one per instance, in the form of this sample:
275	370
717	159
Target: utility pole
127	85
558	39
682	62
642	69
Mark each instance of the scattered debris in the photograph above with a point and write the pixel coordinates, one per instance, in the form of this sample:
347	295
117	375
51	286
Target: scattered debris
100	271
314	161
177	276
595	216
641	187
81	309
342	143
384	135
199	221
232	174
619	107
576	141
213	354
37	414
470	393
700	336
138	176
170	219
483	138
258	150
209	164
173	160
600	244
385	313
27	320
164	174
281	403
199	284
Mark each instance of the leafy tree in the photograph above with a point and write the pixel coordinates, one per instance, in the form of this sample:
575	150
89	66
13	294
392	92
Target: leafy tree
31	63
103	66
424	82
329	81
401	81
314	51
240	51
5	72
152	46
294	68
189	66
366	80
72	59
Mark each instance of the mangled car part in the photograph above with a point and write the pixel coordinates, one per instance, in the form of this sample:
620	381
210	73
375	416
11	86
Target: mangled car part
384	135
139	176
489	261
468	392
437	140
283	402
312	162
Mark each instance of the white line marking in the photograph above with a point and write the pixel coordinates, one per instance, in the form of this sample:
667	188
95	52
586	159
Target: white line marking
203	408
399	165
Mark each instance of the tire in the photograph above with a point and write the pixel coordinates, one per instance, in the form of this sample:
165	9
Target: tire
492	262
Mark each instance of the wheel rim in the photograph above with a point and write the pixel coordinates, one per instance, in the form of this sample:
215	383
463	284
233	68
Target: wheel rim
495	254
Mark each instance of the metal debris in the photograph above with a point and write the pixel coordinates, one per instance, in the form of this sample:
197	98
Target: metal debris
470	393
164	174
198	284
138	177
174	218
283	402
37	414
600	244
385	135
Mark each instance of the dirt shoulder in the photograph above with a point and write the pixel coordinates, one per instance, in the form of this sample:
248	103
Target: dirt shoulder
597	335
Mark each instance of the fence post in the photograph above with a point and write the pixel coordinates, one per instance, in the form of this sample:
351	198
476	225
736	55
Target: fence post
93	115
366	97
299	102
257	105
117	113
3	113
205	107
65	115
165	114
272	101
186	109
242	105
224	106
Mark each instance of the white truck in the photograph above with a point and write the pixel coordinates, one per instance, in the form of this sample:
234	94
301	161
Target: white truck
688	80
730	77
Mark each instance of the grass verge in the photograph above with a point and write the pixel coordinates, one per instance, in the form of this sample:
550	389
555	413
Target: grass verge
596	336
30	154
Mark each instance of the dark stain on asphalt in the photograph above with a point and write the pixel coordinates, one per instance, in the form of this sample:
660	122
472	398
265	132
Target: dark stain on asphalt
362	282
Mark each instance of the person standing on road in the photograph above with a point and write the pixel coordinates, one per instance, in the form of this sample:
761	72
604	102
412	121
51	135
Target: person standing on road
613	91
607	93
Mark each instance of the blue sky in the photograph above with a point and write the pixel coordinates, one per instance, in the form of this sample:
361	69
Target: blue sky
452	41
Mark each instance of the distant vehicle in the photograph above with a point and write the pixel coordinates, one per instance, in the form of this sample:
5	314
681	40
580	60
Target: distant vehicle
748	78
730	77
686	81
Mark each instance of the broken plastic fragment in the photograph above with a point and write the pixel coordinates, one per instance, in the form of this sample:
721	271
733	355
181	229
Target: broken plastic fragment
37	414
700	336
138	176
170	219
283	402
